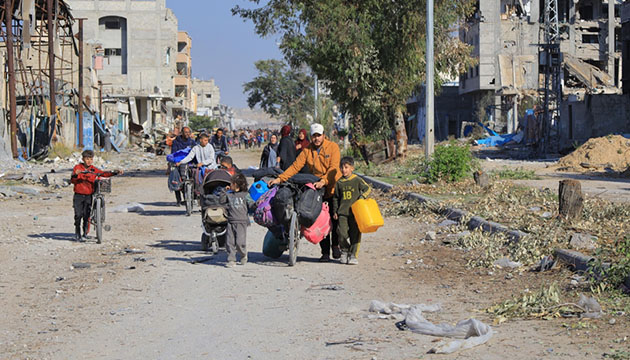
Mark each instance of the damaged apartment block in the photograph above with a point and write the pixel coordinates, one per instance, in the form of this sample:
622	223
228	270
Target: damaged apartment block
509	38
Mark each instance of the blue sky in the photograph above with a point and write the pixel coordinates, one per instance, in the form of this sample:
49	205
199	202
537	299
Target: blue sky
223	46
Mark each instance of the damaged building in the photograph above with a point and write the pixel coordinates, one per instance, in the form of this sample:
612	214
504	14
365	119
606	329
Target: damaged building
508	38
136	63
40	91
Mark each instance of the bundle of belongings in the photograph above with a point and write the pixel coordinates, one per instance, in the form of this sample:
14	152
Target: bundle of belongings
276	206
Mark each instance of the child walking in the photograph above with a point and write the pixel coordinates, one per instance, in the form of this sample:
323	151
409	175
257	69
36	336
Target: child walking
348	190
83	177
238	203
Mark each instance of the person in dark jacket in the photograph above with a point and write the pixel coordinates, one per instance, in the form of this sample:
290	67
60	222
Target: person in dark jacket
219	143
182	142
269	157
238	204
286	149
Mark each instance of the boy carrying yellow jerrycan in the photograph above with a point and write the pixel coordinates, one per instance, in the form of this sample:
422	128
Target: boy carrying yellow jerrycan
354	214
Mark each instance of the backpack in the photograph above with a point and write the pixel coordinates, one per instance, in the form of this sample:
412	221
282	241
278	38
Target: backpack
321	228
309	206
174	180
263	215
282	205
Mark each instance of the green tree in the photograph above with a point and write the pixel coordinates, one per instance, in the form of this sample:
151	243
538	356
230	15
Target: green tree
196	122
369	53
281	91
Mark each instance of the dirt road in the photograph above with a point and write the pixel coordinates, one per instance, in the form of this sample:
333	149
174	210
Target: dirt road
152	302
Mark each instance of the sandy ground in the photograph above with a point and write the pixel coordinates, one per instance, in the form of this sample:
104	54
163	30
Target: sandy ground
159	305
597	185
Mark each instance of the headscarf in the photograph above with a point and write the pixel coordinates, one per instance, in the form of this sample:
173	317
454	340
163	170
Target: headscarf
304	142
285	131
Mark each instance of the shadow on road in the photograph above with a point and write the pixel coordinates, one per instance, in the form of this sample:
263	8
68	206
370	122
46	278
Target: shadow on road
53	236
163	213
146	173
178	245
161	203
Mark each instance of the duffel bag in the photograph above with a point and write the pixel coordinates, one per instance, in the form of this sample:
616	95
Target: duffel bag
282	205
272	246
321	228
263	215
309	206
215	215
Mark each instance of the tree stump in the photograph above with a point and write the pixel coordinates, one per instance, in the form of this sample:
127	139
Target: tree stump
571	201
481	179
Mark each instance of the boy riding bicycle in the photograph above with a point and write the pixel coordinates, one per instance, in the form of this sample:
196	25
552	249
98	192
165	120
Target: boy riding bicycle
83	177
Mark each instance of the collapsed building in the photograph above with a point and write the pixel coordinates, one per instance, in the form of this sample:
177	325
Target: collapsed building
40	64
509	38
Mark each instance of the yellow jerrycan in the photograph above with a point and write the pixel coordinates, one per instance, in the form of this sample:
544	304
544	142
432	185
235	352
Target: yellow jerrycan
367	215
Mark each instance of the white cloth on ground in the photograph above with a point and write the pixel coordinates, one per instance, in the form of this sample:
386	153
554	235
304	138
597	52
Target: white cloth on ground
469	333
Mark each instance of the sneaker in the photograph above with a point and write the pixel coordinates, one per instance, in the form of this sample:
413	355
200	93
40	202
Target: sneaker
324	258
243	260
352	260
336	252
344	257
230	264
77	237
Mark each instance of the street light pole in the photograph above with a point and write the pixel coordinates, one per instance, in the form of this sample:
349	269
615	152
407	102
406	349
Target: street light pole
316	91
428	133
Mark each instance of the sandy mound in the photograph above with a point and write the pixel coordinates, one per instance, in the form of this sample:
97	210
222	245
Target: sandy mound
611	152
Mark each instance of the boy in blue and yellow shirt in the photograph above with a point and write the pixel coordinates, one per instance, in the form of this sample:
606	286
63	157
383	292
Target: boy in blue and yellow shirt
348	190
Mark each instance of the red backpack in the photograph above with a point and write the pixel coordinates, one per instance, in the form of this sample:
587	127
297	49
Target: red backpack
320	228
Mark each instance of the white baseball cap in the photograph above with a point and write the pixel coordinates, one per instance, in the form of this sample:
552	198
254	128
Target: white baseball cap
317	129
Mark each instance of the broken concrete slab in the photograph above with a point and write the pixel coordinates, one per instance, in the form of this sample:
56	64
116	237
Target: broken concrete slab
580	241
25	190
55	180
447	222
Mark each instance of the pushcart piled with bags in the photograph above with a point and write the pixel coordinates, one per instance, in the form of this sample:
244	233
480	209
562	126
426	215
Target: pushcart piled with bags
290	211
295	209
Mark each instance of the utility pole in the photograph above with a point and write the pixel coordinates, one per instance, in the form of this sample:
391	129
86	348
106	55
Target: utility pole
8	23
80	107
51	64
316	91
428	128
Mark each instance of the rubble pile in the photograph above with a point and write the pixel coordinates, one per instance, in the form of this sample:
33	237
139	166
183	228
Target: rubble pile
33	178
610	152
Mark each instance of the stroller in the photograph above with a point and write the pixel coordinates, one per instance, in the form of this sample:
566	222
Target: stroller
213	213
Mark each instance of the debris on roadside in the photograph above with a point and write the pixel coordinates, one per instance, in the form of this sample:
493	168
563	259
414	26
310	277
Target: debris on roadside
80	265
128	208
544	304
467	333
333	287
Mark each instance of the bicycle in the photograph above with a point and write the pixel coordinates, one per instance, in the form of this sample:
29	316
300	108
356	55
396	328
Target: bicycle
188	185
97	215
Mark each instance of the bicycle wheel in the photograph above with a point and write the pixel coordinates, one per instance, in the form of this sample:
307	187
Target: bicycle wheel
294	237
98	219
205	242
189	199
214	245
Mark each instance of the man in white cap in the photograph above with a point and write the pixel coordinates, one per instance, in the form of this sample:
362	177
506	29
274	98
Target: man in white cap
322	157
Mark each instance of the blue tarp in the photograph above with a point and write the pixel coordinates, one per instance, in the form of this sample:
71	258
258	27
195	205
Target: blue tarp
496	140
178	155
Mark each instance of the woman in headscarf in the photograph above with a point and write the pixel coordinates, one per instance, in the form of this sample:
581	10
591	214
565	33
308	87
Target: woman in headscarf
286	148
269	158
301	142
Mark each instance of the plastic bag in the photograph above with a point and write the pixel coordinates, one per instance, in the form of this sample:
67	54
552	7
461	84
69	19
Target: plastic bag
468	333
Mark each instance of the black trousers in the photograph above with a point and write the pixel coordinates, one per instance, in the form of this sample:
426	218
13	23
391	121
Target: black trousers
182	172
332	237
82	205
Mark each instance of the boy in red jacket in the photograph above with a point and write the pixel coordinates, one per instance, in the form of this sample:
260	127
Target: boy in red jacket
83	177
